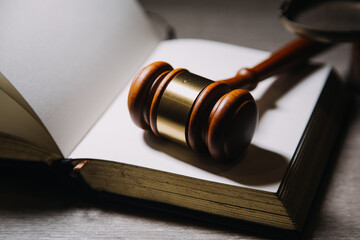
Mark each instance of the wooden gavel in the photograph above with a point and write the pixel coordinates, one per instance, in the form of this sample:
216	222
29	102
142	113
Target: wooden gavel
219	117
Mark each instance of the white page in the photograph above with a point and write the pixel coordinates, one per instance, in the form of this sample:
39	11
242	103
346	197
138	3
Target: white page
116	138
69	59
16	121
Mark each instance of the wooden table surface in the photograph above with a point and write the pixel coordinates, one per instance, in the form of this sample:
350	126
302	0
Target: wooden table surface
36	205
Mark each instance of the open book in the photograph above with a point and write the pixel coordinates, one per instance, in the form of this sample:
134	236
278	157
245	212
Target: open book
66	69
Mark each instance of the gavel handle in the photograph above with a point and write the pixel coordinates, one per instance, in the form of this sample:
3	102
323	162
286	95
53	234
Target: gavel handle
294	53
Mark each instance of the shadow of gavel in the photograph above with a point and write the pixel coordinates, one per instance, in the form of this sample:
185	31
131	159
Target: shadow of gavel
215	116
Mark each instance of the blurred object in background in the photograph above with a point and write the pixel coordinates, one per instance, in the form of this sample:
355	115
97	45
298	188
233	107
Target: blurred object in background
329	21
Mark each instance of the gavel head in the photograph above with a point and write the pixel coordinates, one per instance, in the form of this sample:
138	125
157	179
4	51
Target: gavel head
195	111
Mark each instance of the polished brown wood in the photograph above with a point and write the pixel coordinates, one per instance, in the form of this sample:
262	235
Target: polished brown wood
196	134
224	115
32	208
140	91
232	124
285	58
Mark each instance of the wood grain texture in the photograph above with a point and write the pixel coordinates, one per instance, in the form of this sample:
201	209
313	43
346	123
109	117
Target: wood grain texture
35	205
